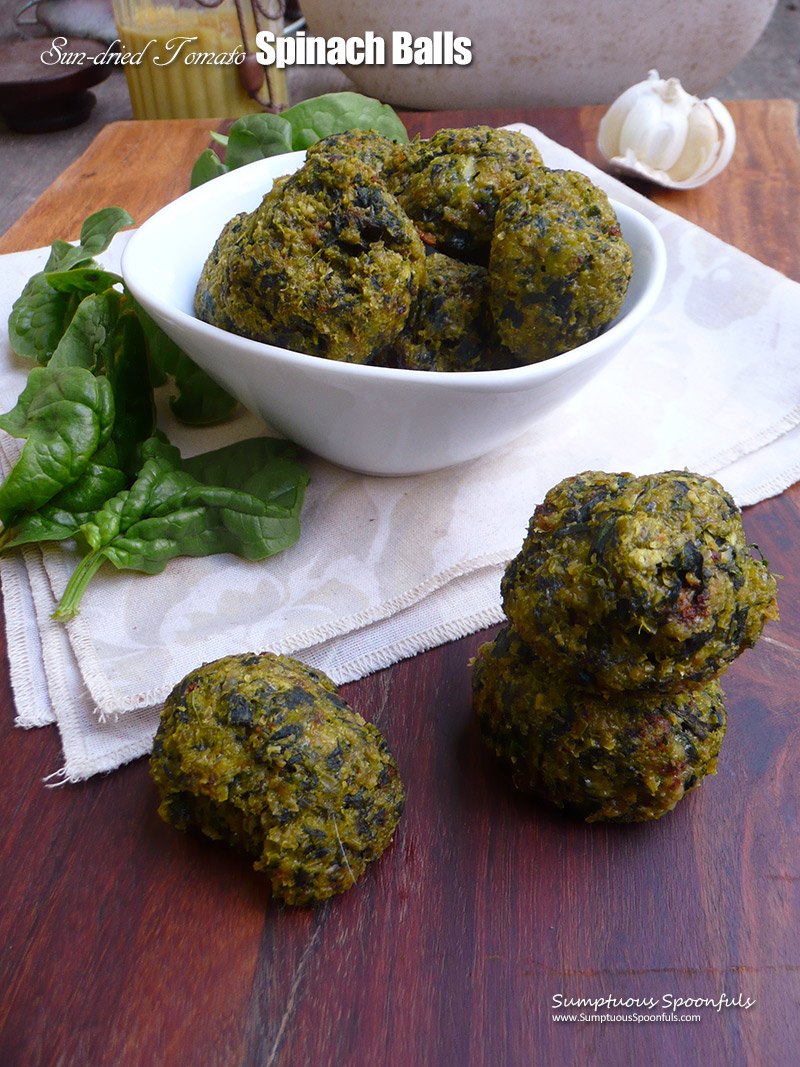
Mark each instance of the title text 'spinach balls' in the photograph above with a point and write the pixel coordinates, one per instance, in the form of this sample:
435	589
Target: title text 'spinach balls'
559	267
328	265
638	582
261	751
626	759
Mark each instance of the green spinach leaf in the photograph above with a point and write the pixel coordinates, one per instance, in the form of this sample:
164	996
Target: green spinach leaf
255	137
259	136
96	234
42	312
169	512
106	337
63	516
39	318
127	369
64	414
87	340
311	120
208	165
267	467
106	344
83	280
199	400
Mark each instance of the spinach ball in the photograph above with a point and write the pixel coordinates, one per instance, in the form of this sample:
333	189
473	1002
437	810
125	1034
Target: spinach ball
451	184
211	295
626	758
559	266
369	146
638	582
260	751
449	327
328	264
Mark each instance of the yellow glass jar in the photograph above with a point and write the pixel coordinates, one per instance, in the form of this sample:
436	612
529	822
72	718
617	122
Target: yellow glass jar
187	59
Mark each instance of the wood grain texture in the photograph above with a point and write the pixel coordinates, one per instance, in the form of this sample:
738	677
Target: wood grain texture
120	168
126	943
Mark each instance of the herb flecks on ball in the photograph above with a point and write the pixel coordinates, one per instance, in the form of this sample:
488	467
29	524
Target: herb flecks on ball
639	582
629	758
559	266
328	264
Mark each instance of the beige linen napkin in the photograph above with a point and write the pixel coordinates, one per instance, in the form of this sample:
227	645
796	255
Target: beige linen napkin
388	567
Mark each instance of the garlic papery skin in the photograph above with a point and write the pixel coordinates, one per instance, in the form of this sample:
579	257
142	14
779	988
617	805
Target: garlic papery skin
656	130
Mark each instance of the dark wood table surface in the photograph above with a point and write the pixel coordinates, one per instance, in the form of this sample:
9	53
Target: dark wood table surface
124	942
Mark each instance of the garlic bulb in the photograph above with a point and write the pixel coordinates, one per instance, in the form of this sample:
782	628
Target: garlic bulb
657	130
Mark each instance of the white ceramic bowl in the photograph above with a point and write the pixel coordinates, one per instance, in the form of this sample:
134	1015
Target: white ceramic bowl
369	419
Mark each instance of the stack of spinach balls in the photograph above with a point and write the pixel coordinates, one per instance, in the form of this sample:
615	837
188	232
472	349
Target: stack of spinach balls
458	252
629	597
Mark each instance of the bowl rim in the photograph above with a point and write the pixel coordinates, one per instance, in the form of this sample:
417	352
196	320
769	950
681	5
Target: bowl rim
527	375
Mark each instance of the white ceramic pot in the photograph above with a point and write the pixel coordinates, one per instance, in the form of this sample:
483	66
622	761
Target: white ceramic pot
536	53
